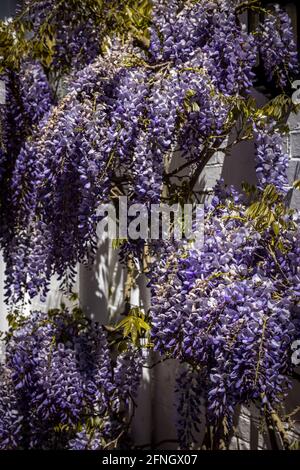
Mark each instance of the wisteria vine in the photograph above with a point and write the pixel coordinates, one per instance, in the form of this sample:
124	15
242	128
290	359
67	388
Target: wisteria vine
60	388
140	116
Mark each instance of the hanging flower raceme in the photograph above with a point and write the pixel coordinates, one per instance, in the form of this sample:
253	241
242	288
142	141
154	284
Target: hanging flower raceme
66	386
277	47
229	310
28	101
271	161
74	34
56	183
117	128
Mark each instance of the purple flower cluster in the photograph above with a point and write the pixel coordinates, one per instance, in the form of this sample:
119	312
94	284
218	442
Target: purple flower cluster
229	309
78	34
128	363
35	92
85	440
55	185
277	47
60	386
28	101
11	419
271	161
226	309
189	405
116	129
208	35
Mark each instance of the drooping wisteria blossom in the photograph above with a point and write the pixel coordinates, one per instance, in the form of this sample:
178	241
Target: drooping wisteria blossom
65	162
227	310
59	384
77	34
117	128
271	160
28	101
276	42
230	309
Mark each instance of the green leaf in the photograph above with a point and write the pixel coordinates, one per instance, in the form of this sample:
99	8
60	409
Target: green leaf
195	107
296	185
134	325
118	242
276	228
74	297
143	324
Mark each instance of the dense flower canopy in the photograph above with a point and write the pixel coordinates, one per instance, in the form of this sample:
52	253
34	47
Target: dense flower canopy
59	386
123	117
118	126
230	311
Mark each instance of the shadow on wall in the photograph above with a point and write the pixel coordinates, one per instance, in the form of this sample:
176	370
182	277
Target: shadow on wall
7	8
294	194
239	165
101	285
